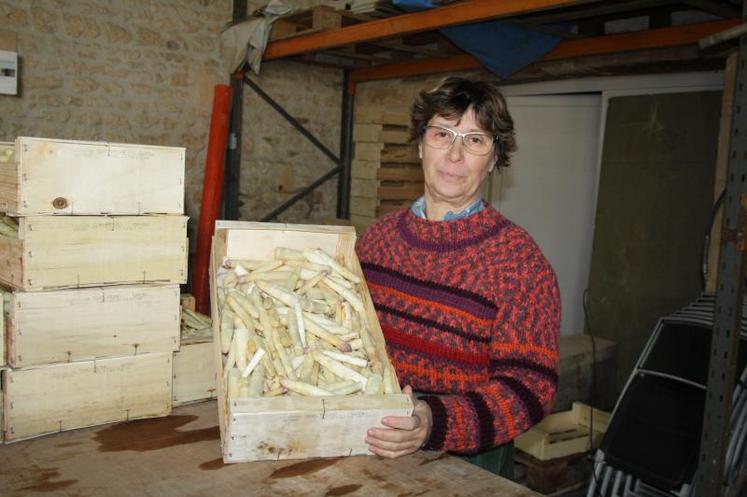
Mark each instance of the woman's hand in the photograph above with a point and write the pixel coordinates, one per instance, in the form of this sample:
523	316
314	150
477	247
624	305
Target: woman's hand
402	435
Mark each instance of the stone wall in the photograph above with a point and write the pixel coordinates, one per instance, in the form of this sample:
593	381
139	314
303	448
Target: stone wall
143	71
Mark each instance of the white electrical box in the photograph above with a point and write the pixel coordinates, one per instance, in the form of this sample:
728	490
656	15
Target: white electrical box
8	73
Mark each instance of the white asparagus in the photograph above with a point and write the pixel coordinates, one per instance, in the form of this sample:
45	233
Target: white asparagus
230	359
258	355
321	257
338	369
256	381
234	379
300	323
373	385
241	339
226	330
327	324
312	282
345	293
268	266
355	361
353	387
323	334
304	388
288	298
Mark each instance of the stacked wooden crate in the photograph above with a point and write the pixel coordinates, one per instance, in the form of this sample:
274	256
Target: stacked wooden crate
93	268
386	171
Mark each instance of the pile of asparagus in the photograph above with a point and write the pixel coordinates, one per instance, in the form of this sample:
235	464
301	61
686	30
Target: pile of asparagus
297	324
195	326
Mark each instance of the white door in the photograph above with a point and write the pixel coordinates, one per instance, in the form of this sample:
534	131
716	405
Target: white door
550	186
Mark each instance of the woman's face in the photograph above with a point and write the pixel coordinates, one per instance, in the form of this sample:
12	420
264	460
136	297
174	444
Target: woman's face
453	175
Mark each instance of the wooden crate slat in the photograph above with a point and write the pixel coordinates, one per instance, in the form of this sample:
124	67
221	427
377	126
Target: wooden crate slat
83	324
79	251
75	177
194	374
62	397
406	191
400	154
414	174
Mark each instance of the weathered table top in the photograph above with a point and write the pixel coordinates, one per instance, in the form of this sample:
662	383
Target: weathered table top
180	456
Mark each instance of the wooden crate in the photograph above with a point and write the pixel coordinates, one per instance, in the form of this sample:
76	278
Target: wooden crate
84	324
194	373
61	397
294	427
565	433
48	176
78	251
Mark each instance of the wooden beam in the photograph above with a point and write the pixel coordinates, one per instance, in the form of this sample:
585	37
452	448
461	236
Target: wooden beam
441	17
626	42
716	8
598	45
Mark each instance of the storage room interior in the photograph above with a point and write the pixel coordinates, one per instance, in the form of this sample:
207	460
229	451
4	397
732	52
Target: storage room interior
152	151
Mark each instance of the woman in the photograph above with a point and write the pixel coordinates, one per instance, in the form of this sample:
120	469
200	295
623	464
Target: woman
468	304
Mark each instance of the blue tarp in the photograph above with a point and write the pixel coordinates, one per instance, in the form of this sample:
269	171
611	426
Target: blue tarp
501	47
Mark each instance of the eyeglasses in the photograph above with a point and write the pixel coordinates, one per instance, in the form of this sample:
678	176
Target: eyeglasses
475	142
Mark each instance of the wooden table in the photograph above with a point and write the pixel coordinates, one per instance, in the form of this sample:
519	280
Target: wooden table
180	456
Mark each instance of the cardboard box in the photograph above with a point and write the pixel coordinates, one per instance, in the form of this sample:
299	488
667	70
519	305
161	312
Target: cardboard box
565	433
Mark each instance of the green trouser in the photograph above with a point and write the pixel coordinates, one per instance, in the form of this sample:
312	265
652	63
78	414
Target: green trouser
499	460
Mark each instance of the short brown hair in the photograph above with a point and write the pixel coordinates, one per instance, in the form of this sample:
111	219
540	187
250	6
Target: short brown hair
451	99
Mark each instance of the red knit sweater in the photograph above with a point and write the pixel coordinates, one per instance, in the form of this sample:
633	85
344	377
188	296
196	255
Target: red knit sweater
470	310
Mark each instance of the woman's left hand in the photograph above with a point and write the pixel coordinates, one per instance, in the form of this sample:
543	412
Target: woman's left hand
402	435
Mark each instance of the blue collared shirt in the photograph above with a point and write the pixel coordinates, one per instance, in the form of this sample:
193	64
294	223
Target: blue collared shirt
418	208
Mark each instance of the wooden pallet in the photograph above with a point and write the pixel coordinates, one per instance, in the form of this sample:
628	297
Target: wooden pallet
386	169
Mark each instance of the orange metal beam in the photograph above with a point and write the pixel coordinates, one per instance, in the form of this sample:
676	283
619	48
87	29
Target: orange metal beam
598	45
441	17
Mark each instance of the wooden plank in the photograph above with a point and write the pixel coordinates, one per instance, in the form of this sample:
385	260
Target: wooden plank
11	261
381	133
450	15
407	191
400	154
364	169
414	174
78	251
296	427
379	115
62	397
75	177
194	374
85	324
368	151
597	45
179	455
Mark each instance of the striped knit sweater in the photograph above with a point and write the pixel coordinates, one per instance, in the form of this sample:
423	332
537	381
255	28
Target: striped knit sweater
470	310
